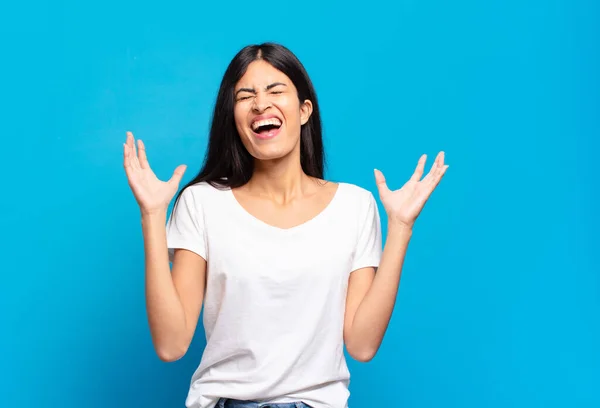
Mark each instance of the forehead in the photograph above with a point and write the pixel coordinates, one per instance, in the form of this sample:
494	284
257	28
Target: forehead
260	74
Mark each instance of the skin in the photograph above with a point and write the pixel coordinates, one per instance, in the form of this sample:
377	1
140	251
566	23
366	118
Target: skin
173	297
282	195
279	193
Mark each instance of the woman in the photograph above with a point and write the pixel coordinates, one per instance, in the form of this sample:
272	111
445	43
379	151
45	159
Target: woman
283	261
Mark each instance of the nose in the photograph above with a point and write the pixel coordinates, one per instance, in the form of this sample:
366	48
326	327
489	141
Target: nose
261	103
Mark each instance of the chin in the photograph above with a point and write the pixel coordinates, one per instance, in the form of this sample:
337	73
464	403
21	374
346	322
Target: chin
270	152
272	148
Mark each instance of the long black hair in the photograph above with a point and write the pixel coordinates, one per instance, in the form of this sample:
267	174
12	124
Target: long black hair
227	163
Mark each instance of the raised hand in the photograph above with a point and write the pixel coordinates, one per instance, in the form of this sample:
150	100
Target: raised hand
403	206
151	194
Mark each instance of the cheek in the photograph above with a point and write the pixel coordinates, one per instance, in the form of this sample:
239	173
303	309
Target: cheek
291	110
238	115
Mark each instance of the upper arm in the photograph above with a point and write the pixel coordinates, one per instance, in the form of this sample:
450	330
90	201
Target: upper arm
189	277
187	248
359	284
367	255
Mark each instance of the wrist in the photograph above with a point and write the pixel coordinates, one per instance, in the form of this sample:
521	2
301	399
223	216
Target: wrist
399	228
154	216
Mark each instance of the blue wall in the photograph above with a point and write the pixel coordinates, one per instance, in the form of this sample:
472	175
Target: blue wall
500	299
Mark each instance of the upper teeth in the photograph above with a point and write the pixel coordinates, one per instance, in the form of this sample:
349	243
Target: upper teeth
272	121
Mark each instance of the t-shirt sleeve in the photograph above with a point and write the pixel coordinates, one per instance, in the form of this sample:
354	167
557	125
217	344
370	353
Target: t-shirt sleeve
185	227
368	245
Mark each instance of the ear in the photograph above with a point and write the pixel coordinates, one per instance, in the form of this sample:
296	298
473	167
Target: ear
305	111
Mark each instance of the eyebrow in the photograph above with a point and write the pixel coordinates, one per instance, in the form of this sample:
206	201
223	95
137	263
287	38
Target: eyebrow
252	90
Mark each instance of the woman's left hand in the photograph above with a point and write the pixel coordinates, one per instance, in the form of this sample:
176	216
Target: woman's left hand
403	206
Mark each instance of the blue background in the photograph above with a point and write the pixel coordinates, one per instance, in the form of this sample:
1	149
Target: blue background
499	304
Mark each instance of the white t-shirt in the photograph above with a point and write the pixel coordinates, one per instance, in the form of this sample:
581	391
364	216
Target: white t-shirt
275	298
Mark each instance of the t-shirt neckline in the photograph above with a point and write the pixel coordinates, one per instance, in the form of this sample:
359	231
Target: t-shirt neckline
241	210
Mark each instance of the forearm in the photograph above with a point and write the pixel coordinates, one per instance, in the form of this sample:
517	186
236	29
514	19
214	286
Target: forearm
166	315
374	312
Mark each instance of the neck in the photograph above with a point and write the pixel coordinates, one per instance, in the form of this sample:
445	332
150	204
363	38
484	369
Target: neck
281	180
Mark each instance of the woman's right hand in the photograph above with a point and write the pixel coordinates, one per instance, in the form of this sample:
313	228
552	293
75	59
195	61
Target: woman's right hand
151	194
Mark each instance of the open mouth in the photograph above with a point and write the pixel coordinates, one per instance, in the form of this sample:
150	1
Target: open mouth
266	127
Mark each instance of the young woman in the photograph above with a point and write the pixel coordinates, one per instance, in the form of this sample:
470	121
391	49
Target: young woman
283	261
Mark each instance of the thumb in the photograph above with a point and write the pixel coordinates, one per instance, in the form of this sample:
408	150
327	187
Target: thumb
380	181
178	174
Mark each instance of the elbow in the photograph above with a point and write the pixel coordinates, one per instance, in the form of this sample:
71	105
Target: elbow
363	357
170	354
363	354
